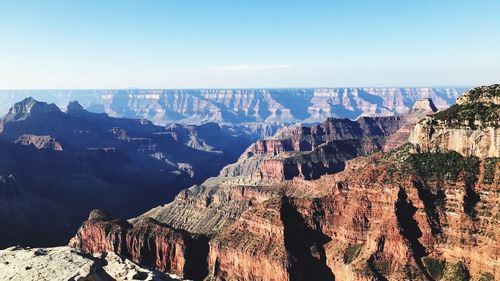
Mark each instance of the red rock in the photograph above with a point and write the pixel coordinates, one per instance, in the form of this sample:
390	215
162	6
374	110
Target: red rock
146	242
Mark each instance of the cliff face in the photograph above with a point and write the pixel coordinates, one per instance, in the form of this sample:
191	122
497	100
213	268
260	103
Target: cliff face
392	216
240	106
312	151
471	127
386	217
146	242
420	109
406	214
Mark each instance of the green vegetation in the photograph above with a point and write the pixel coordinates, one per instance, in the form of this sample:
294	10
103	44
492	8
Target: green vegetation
485	91
486	277
352	252
445	165
434	267
490	164
465	114
456	272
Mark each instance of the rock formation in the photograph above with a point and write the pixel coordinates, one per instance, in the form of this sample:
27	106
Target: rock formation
40	142
471	127
393	216
243	106
420	109
402	215
311	151
64	263
147	242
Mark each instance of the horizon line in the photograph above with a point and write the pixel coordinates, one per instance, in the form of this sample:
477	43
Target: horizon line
239	88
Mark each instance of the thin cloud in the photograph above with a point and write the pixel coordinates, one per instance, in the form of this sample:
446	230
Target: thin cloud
248	67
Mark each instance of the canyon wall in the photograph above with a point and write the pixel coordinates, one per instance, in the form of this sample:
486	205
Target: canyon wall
239	106
471	126
405	214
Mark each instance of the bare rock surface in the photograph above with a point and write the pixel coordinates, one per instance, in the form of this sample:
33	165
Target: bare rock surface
64	263
471	126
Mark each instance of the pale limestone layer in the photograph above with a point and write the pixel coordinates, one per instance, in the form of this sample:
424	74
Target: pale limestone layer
64	263
480	142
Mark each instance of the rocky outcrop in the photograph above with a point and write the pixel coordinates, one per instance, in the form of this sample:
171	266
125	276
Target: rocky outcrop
420	109
312	151
146	242
64	263
243	106
386	217
432	136
40	142
471	127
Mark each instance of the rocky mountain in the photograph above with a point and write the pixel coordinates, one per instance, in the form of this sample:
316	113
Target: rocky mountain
243	106
406	214
471	126
56	166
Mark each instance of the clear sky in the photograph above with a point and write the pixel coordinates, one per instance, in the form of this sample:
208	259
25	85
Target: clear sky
248	43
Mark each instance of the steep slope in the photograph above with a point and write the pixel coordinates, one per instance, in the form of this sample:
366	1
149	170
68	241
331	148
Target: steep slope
471	127
402	215
310	152
420	109
51	160
241	106
386	217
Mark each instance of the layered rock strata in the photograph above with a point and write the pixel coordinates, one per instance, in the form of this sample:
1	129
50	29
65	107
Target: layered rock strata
312	151
471	127
243	106
387	217
408	214
146	242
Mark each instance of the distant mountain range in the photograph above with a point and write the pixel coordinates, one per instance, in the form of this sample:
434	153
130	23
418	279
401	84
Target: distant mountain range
236	106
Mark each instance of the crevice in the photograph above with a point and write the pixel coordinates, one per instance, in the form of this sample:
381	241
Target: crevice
304	245
431	202
196	267
409	229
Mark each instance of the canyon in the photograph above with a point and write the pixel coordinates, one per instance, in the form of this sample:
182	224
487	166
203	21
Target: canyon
404	214
413	196
245	107
56	166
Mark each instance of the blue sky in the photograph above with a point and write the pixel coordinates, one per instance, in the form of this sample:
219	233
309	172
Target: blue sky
248	43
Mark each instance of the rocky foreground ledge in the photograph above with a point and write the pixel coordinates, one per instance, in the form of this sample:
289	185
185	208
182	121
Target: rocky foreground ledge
64	263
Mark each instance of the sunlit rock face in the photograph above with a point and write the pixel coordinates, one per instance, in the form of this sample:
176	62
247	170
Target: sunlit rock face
393	216
64	263
471	126
406	214
243	105
420	109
